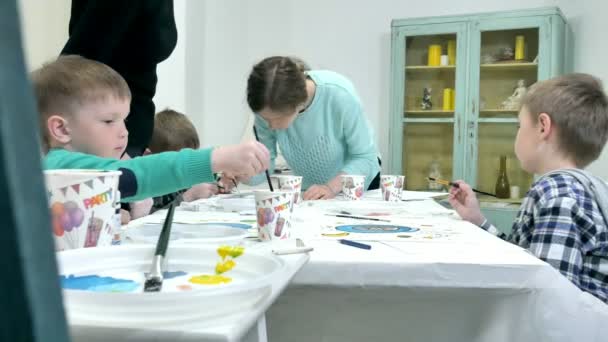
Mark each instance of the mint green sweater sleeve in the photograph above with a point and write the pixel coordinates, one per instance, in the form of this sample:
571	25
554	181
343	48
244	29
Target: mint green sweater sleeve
361	157
156	174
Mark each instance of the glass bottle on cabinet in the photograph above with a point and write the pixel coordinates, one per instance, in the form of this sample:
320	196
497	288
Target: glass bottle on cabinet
498	56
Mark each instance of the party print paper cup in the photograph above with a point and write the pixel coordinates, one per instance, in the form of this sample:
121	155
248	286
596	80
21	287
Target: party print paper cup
392	186
83	207
291	183
353	187
273	210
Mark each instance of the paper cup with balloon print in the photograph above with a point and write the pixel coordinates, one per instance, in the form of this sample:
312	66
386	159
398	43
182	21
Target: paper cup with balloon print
290	183
83	207
392	187
353	187
273	210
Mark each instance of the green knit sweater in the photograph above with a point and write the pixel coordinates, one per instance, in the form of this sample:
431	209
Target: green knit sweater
143	177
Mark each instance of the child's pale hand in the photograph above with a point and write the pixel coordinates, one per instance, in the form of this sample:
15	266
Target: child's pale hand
317	192
246	159
141	208
125	217
227	182
203	190
464	201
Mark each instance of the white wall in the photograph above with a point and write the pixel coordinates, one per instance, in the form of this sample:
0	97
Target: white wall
219	41
44	29
351	37
170	91
44	26
587	20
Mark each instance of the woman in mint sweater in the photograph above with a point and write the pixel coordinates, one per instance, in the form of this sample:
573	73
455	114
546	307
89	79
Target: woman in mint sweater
316	119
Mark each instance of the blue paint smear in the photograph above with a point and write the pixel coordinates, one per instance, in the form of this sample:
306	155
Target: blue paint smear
375	229
169	275
96	283
227	224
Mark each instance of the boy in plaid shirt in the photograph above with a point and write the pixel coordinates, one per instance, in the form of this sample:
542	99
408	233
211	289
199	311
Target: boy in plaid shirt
563	220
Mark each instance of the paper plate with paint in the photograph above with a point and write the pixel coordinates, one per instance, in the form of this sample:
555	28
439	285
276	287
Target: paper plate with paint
212	232
237	204
104	286
365	208
375	228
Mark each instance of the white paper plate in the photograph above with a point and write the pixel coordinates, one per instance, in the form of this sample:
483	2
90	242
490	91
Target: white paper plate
237	204
252	278
213	232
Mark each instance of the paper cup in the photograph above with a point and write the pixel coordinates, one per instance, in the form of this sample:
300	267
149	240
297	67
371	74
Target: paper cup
291	183
392	186
273	211
353	187
83	207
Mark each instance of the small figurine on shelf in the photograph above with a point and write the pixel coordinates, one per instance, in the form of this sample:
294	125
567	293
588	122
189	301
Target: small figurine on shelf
435	172
426	99
514	101
505	54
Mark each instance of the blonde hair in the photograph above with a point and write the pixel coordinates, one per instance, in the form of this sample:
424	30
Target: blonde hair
62	86
173	131
578	107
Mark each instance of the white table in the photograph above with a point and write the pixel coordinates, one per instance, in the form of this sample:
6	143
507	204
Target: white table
450	281
246	326
466	286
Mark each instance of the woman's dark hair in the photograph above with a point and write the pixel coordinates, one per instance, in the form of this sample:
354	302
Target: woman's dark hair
278	83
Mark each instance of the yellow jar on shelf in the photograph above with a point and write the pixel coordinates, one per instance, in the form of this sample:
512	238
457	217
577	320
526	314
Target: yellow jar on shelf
452	52
434	55
447	99
519	48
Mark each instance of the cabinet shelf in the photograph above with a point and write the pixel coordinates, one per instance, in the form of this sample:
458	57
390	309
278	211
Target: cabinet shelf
510	66
500	111
423	68
467	141
428	111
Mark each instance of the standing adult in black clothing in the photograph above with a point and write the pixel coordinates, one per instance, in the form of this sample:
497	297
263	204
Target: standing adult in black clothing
132	37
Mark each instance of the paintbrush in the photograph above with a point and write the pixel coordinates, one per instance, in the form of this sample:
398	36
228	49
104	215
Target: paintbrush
154	279
356	217
255	132
236	187
456	185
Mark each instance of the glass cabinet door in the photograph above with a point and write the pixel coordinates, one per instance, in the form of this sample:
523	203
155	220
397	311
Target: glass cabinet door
431	108
508	66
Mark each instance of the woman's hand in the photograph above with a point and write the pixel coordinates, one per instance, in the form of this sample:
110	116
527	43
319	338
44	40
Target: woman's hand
317	192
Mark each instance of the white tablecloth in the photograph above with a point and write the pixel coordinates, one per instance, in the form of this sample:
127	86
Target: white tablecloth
453	282
448	281
245	326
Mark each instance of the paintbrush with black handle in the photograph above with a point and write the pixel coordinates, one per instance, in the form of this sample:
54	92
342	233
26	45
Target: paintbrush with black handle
255	132
456	185
154	279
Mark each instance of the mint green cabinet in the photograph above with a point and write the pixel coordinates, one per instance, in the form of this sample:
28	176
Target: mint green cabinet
474	94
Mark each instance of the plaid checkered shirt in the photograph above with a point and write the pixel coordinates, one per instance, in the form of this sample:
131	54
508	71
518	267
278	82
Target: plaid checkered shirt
560	223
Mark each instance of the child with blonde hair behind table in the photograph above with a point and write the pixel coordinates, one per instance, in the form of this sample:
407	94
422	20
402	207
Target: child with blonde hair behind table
563	218
173	131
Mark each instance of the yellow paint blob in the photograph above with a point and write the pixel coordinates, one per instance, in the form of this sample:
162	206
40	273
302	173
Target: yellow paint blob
233	251
335	234
210	279
224	266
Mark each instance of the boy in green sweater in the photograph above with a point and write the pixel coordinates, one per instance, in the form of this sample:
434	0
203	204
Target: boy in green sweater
83	106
